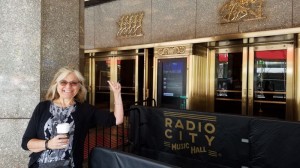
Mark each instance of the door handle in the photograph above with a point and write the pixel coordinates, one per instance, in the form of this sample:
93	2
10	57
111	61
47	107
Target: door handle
250	93
244	92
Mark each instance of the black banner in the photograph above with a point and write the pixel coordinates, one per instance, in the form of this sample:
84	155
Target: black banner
275	144
211	140
205	138
109	158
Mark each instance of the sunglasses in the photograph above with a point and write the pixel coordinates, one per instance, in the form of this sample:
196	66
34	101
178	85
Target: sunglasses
72	83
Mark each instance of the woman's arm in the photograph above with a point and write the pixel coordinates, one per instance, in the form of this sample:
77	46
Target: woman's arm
38	145
118	103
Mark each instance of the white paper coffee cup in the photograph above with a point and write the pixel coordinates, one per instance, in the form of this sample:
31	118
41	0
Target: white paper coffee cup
63	128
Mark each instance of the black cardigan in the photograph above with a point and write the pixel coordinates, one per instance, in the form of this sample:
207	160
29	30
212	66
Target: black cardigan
85	116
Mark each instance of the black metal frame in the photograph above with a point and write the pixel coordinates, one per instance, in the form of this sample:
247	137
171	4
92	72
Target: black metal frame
123	134
95	2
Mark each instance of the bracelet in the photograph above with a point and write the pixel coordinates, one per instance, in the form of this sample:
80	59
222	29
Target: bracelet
46	145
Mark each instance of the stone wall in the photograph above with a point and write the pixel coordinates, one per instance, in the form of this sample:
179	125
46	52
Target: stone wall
180	20
20	39
36	38
60	38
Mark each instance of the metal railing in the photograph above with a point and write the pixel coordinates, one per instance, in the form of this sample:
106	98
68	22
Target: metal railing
115	137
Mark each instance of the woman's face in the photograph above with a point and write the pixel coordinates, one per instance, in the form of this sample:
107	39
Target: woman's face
68	87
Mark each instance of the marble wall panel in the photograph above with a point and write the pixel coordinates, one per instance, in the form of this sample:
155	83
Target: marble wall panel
20	39
60	38
81	36
208	21
134	6
278	15
173	20
296	13
35	39
106	17
19	103
19	57
89	28
11	153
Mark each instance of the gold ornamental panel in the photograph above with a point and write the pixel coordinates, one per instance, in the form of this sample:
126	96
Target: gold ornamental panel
131	25
174	50
241	10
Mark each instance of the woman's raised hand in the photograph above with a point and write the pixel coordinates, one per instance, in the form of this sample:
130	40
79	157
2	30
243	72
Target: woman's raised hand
118	109
115	86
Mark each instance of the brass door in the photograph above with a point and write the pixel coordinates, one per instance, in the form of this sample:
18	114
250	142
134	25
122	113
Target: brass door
254	80
229	80
122	69
270	86
102	73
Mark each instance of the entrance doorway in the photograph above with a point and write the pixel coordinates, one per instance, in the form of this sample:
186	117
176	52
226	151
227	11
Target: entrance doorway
253	79
108	66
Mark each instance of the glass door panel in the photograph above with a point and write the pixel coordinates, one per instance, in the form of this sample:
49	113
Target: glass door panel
126	75
228	81
254	80
102	75
270	82
121	69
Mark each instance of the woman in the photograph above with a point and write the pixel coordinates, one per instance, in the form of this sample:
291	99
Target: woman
65	103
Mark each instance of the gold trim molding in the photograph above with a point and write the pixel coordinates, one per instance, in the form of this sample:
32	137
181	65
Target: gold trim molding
241	10
131	25
176	50
200	40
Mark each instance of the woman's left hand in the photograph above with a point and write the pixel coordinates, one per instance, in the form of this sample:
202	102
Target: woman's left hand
115	86
118	103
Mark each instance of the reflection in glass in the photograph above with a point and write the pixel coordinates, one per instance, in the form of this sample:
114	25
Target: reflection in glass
126	77
102	92
171	83
125	74
270	83
228	83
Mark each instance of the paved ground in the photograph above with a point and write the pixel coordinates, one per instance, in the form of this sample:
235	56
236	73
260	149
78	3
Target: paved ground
85	164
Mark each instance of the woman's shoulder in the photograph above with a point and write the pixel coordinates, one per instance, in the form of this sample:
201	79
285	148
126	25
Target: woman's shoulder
44	103
41	107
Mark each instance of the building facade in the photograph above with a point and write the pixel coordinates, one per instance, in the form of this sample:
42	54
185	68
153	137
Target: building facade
225	51
36	38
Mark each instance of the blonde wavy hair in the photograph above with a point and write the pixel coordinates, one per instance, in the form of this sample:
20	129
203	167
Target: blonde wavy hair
52	93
